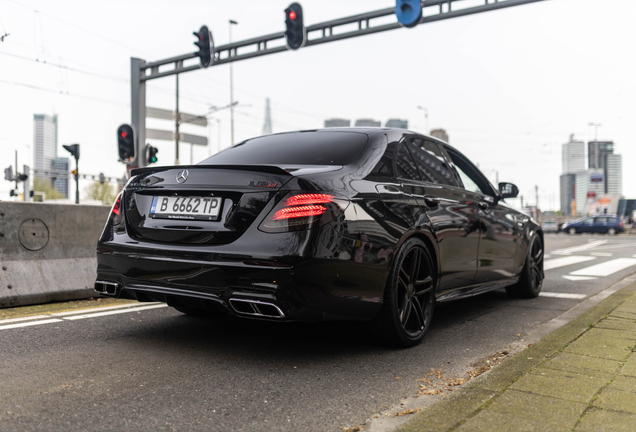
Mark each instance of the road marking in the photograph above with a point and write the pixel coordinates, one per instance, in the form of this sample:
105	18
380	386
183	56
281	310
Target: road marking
578	278
84	311
606	268
561	262
546	256
114	312
562	295
33	317
31	323
590	245
633	256
601	254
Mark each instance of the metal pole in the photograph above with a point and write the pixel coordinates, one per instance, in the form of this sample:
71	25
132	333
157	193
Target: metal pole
176	126
138	110
16	172
77	181
26	186
231	87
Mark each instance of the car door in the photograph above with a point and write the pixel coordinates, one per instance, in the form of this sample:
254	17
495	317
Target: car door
600	224
500	228
452	212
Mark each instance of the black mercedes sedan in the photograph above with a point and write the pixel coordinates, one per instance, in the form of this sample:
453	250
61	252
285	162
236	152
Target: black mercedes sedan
332	224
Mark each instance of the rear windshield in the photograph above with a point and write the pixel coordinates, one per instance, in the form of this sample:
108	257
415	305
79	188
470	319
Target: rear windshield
302	148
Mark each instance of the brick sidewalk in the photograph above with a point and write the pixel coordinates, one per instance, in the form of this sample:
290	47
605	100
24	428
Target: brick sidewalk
582	377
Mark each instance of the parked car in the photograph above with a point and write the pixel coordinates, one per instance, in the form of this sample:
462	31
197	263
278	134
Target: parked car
595	224
333	224
550	225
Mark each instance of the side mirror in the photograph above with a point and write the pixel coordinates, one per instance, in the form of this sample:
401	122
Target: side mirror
508	190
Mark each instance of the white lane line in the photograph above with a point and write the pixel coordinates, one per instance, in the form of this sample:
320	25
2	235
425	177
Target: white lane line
142	308
601	254
85	311
27	324
560	262
590	245
578	278
29	318
546	256
606	268
562	295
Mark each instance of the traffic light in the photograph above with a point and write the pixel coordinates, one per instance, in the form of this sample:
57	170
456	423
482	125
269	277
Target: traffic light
151	154
408	12
73	149
295	33
126	143
102	178
205	44
8	174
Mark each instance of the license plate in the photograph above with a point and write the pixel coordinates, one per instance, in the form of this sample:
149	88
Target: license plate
186	208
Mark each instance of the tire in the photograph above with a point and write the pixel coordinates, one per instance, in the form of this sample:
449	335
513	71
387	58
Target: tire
611	231
409	297
531	279
572	231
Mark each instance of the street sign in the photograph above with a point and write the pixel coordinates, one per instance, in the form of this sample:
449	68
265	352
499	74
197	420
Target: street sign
170	136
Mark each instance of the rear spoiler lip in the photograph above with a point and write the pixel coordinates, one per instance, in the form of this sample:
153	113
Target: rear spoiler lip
271	169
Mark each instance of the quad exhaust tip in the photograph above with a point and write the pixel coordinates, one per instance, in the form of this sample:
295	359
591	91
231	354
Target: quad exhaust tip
256	308
106	287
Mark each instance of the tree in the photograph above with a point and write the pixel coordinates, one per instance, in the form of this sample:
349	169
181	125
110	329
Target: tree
103	192
41	184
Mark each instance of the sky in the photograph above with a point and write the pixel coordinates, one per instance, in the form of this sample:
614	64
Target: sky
508	86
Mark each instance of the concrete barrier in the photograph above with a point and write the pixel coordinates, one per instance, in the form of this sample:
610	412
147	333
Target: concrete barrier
47	251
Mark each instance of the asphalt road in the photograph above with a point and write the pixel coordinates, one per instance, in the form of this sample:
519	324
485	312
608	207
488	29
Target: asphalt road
155	369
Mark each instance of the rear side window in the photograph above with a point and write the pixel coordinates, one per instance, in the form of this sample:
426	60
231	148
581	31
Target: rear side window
303	148
430	162
405	165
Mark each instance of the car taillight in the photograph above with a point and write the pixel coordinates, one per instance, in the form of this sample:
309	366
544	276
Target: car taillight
303	210
620	224
116	212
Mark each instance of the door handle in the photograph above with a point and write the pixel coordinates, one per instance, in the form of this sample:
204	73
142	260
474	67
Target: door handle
431	202
482	205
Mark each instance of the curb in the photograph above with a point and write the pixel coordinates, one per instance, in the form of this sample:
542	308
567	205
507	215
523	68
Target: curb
452	411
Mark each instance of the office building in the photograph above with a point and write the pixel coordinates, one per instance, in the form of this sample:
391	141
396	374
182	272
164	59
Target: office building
597	152
613	174
397	123
568	194
44	143
440	134
573	156
368	123
60	180
336	122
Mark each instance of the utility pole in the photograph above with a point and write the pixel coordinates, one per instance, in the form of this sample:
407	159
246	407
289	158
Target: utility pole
232	22
425	118
536	195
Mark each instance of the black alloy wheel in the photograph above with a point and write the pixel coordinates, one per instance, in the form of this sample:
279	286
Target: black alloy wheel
409	297
531	279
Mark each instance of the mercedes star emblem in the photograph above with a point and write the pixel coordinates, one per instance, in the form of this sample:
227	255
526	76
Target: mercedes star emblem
182	176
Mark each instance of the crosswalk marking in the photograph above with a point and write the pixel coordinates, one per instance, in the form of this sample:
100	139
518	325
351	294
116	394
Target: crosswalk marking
578	278
606	268
590	245
562	295
606	254
561	262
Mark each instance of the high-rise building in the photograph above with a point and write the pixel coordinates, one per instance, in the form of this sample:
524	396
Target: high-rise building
613	174
573	156
336	122
46	163
368	122
597	152
397	123
44	143
440	134
60	180
568	193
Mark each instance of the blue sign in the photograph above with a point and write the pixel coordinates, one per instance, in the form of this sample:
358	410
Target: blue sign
408	12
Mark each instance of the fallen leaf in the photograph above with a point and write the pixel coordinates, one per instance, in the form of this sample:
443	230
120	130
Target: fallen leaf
407	412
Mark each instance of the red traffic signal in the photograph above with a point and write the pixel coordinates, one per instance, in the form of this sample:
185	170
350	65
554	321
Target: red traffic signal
126	143
295	32
205	44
